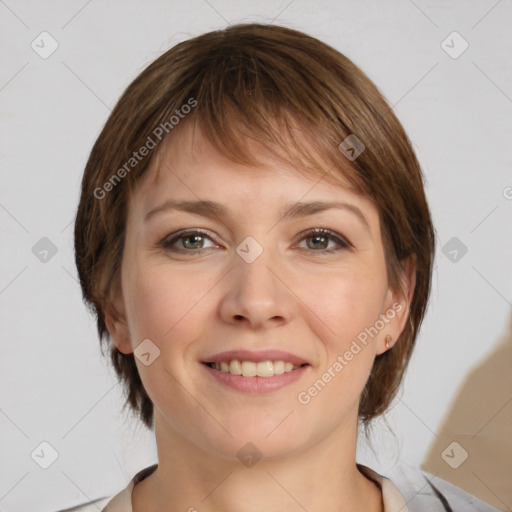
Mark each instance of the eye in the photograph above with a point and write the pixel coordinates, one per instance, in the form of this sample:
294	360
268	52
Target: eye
319	240
188	241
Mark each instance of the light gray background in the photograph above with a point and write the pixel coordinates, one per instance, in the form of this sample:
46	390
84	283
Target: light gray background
56	387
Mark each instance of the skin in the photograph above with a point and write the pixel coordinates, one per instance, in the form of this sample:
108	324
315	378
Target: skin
194	304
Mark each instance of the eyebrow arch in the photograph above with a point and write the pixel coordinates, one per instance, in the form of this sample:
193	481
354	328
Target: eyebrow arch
289	211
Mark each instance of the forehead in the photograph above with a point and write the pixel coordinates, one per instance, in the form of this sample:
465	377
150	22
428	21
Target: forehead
189	166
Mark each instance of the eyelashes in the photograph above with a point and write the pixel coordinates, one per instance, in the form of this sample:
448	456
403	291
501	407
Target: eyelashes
192	241
325	234
170	242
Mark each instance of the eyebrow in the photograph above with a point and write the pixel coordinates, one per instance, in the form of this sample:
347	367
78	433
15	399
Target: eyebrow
289	211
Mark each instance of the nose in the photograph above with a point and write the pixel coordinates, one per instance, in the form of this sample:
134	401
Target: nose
256	293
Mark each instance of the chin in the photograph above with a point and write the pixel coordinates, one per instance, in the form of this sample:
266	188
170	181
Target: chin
273	440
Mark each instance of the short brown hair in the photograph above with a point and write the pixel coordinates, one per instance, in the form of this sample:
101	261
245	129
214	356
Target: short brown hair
263	80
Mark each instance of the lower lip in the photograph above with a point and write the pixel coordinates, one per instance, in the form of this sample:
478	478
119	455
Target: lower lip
256	385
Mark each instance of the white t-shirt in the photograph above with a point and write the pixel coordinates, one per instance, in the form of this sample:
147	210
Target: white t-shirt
393	500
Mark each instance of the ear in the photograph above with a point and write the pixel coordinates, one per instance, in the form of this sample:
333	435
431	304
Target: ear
398	304
116	322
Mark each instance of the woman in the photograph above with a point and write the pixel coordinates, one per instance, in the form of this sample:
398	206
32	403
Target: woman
254	238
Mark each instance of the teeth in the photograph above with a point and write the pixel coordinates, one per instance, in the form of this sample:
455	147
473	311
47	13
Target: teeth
265	369
278	367
252	369
235	368
249	369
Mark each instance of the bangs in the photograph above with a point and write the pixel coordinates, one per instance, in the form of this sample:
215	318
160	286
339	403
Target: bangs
272	94
244	98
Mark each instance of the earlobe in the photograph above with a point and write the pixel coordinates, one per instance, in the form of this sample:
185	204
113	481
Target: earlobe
117	326
399	302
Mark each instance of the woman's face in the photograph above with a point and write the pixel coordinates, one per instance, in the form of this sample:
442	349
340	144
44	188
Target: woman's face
246	287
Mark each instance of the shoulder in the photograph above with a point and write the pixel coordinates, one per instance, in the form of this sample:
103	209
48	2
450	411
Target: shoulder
120	502
426	492
91	506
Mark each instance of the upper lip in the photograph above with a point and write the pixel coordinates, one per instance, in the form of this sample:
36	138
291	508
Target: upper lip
259	356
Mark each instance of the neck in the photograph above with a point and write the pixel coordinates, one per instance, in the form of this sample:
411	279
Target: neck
323	476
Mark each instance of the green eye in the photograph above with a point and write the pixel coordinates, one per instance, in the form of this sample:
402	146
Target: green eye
317	240
190	241
320	240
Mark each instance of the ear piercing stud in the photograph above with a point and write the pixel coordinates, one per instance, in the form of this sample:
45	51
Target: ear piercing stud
388	341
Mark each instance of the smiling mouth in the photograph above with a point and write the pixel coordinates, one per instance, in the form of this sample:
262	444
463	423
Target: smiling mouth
255	369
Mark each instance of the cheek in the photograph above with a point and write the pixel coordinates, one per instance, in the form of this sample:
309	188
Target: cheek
345	303
344	308
162	303
167	308
170	306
